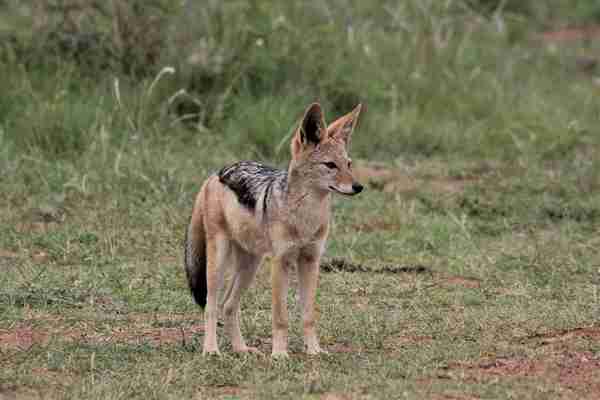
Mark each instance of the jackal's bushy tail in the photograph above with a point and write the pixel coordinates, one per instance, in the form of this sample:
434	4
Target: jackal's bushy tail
195	259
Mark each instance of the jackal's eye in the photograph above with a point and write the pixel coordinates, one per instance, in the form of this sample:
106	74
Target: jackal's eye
349	163
330	165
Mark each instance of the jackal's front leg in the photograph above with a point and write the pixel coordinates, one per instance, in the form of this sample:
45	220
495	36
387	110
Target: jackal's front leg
280	282
308	279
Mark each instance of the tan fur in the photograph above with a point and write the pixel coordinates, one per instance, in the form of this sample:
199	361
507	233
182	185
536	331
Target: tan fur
294	232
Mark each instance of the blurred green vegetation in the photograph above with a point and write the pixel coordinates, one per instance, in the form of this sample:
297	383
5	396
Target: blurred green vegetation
455	78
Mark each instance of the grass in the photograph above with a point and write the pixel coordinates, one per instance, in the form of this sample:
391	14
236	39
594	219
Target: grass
469	265
100	307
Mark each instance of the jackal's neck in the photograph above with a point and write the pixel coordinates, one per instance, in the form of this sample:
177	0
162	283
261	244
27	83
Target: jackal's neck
303	196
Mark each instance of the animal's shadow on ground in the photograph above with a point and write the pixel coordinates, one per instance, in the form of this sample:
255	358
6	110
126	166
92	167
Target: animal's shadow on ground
341	265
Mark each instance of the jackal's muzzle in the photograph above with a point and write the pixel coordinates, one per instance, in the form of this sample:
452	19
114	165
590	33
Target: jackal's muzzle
355	189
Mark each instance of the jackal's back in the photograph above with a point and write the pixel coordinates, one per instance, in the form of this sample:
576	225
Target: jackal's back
251	181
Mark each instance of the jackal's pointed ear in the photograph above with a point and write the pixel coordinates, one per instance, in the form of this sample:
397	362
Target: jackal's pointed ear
343	127
312	130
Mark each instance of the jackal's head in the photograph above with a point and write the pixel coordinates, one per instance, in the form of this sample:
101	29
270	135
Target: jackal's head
320	152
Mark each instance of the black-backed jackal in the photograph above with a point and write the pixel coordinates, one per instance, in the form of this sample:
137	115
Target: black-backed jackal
249	210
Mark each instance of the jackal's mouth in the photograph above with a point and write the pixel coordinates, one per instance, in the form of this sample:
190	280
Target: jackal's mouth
341	192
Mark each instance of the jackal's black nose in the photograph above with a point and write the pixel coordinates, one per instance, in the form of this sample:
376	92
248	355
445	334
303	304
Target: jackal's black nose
357	187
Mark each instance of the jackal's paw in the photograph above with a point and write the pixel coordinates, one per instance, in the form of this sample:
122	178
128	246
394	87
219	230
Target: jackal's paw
280	354
211	352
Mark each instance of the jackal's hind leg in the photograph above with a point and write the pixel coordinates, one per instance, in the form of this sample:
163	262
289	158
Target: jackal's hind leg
244	270
217	252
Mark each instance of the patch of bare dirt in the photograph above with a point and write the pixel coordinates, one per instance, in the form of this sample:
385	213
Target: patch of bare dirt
380	177
22	337
392	180
468	283
573	36
373	172
509	367
225	391
592	332
38	256
168	260
577	374
574	373
570	34
27	334
8	254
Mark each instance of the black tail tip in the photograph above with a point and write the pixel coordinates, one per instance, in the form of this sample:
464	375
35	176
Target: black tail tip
199	296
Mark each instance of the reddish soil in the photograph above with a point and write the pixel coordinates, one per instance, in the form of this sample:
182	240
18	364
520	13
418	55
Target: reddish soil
576	373
8	254
343	348
21	337
25	335
395	181
38	256
561	336
224	392
571	34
